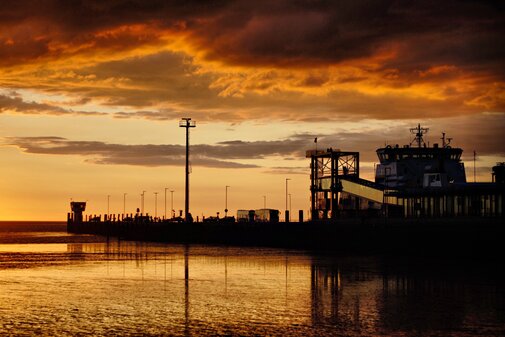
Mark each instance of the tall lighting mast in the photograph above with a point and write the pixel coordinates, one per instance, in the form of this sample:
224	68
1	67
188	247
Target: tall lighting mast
187	123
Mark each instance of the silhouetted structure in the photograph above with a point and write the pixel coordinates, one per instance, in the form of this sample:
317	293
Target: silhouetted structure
499	173
77	209
421	166
410	181
187	123
327	168
446	215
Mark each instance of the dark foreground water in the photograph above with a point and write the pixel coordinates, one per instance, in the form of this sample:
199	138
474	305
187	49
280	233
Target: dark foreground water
53	284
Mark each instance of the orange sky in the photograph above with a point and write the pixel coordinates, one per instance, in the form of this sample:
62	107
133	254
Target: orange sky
91	95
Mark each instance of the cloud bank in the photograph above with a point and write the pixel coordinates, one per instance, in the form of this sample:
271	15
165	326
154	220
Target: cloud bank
229	154
243	60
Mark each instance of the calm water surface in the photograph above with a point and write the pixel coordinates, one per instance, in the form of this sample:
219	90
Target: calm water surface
53	284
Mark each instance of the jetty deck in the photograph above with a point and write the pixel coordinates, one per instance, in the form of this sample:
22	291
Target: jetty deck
453	236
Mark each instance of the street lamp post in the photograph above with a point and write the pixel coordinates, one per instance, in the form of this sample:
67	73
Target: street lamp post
289	203
187	123
226	201
108	204
124	204
142	202
287	213
172	204
166	202
155	204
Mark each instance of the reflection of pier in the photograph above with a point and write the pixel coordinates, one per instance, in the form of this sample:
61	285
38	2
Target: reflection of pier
356	295
325	287
425	295
337	289
421	303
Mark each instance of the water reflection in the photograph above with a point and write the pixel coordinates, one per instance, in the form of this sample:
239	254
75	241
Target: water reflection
117	287
186	290
443	296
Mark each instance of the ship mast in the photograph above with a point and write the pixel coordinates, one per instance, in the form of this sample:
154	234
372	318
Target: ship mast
418	135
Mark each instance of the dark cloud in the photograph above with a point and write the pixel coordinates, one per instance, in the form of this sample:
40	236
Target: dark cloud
161	77
14	103
172	80
33	29
454	48
218	155
283	33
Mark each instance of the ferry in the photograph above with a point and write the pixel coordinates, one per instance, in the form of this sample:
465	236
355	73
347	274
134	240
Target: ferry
413	180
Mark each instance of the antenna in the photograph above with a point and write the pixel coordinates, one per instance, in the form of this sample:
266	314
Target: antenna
418	138
445	141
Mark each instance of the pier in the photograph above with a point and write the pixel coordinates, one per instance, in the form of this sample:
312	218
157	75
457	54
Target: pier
420	203
468	236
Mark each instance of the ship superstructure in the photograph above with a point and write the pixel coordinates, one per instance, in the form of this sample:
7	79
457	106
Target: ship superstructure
417	165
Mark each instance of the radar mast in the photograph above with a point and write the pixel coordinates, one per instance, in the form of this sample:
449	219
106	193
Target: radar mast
418	135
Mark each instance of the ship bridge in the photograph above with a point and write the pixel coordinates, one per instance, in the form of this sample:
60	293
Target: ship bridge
418	165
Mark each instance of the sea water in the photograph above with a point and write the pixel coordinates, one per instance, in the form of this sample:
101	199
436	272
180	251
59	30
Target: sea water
58	284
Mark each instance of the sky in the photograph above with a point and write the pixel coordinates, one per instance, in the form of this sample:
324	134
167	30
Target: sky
92	91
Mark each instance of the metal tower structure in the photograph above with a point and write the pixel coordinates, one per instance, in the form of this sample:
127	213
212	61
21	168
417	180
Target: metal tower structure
187	123
326	170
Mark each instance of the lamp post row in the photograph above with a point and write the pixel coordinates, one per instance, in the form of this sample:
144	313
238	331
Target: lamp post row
142	198
142	195
187	123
